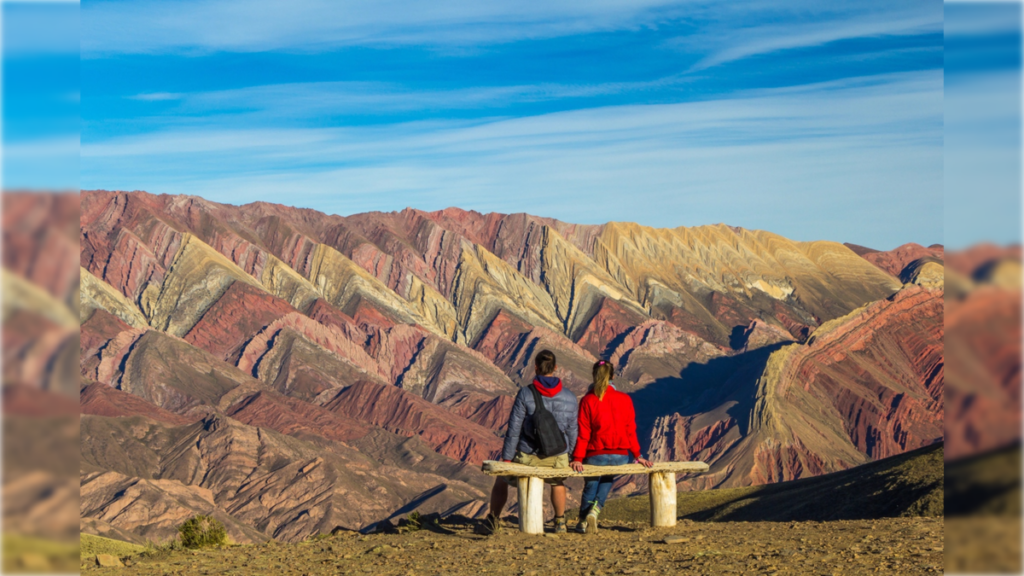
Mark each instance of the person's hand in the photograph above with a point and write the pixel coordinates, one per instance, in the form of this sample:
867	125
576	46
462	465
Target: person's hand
577	466
644	462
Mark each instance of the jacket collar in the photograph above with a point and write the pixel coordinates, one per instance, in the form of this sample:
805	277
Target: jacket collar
545	388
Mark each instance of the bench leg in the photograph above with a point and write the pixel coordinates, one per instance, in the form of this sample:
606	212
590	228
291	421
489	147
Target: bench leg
531	505
663	499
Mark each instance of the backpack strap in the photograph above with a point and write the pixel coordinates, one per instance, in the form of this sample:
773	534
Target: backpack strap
537	399
530	434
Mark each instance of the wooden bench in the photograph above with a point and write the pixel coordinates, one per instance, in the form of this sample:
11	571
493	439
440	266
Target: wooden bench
531	487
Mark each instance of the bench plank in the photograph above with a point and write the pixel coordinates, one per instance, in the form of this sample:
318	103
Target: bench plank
495	468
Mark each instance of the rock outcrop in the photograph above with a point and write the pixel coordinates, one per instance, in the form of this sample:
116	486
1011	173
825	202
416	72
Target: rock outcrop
895	261
867	385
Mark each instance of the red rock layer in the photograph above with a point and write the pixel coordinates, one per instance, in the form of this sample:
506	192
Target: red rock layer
894	261
31	401
241	312
400	412
610	321
102	400
510	344
968	262
36	351
295	417
882	371
40	241
780	463
983	346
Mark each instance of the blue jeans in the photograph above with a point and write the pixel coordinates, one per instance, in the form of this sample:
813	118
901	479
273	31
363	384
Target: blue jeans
596	490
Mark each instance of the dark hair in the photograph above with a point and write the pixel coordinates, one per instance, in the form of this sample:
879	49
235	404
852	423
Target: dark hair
545	362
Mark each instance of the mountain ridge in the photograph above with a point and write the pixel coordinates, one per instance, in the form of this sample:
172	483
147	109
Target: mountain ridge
422	326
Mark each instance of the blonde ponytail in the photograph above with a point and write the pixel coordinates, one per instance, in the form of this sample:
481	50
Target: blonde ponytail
603	374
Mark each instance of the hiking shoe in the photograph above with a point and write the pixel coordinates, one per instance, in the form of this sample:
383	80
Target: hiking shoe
591	519
492	524
581	526
560	525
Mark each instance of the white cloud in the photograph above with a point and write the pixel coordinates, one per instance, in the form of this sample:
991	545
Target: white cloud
272	102
759	40
251	25
157	96
822	156
722	30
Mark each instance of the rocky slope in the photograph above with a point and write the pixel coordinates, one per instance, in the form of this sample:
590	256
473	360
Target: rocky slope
40	373
911	263
983	337
392	345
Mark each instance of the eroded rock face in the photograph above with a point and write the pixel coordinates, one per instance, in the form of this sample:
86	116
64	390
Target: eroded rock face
293	371
983	342
406	414
896	260
911	263
867	385
260	483
760	334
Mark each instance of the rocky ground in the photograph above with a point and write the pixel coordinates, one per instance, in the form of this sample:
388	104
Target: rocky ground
884	518
886	546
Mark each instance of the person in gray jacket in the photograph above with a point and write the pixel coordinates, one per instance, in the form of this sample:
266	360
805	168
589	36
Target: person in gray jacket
518	447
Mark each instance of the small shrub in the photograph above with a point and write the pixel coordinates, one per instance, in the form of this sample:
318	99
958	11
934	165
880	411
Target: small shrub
414	521
201	531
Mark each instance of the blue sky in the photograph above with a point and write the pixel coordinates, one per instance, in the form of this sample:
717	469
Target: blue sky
982	126
813	120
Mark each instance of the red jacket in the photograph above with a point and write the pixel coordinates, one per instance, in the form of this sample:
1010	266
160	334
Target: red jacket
607	426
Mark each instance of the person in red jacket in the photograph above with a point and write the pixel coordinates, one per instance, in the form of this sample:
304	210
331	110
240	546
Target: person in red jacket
607	437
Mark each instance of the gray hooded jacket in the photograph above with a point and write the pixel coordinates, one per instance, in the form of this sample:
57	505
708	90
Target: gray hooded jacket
563	406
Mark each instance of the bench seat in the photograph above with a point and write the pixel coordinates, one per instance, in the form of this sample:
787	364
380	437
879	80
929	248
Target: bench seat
662	482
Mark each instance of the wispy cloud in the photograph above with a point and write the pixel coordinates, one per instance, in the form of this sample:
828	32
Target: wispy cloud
150	26
157	96
761	159
758	40
315	99
723	31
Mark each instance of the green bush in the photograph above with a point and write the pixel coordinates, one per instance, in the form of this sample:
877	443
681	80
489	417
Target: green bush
414	521
201	531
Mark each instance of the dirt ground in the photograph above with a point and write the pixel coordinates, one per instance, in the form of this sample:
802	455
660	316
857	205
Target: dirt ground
886	546
985	545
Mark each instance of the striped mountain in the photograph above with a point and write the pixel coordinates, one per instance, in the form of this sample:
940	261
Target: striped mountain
392	344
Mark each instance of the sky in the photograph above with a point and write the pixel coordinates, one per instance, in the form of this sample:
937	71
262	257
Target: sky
812	120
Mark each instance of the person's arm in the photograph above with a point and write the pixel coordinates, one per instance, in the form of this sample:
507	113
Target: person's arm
634	447
574	427
515	427
583	433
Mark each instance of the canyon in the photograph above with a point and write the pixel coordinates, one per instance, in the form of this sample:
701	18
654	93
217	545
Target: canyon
292	372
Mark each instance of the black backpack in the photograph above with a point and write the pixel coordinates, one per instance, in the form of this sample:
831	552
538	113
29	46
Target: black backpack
545	436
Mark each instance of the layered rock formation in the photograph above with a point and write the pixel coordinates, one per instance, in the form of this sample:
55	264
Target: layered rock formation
983	340
40	318
911	263
390	347
865	386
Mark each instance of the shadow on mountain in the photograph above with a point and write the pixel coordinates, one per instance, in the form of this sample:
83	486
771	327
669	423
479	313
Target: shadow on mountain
419	500
909	484
986	484
738	337
727	384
